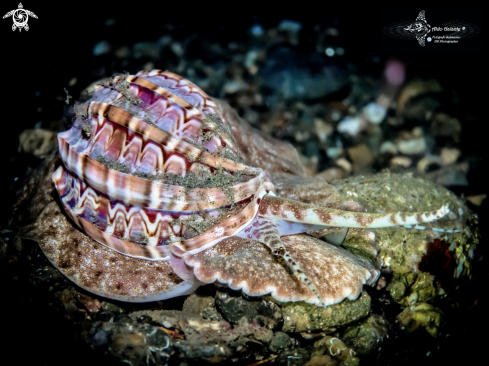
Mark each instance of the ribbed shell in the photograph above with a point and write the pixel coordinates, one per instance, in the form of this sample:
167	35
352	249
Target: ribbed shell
149	163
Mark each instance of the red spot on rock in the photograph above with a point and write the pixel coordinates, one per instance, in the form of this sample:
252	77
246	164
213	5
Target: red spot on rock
440	262
258	200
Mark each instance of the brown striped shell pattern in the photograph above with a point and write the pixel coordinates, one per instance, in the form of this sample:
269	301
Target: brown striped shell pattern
151	170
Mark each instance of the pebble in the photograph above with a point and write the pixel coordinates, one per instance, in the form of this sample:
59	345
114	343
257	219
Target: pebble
453	175
321	360
424	164
334	152
449	156
251	58
289	26
234	308
323	129
361	156
303	317
403	161
38	142
345	164
416	87
91	305
101	48
381	283
374	113
368	334
388	147
412	147
477	199
331	174
235	86
280	341
256	30
351	125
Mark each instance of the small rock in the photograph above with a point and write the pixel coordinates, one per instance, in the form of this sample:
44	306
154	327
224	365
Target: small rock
331	174
477	200
334	152
90	304
374	113
129	342
101	48
345	164
251	58
204	305
449	156
289	26
351	125
234	86
234	307
412	147
367	334
403	161
381	283
420	315
336	348
416	87
108	306
256	30
293	357
212	353
38	142
361	156
279	342
322	129
292	28
453	175
70	308
388	147
321	360
301	317
425	163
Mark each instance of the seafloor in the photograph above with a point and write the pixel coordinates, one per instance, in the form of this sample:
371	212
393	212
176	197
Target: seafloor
348	110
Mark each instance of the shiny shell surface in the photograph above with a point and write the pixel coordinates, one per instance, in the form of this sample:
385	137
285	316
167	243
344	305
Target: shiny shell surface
150	164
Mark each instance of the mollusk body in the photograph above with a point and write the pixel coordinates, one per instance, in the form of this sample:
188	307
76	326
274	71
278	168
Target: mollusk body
152	170
149	164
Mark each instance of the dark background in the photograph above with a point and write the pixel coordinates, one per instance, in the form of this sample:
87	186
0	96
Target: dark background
38	64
